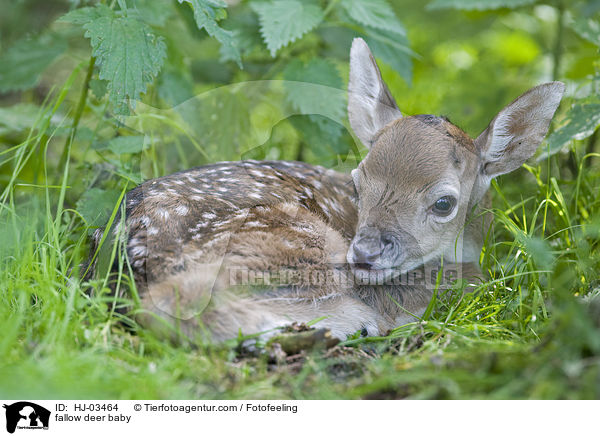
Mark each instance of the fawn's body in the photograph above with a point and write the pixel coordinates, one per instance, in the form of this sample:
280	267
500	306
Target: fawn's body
325	244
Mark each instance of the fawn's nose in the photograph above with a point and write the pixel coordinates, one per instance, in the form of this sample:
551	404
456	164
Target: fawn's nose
369	246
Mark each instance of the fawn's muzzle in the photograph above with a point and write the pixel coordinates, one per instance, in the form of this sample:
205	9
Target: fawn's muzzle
369	246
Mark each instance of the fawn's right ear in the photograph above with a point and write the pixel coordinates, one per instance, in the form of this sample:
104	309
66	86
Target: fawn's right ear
370	104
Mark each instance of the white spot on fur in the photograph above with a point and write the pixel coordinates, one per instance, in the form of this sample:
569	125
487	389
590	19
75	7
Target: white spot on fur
163	213
182	210
138	250
255	224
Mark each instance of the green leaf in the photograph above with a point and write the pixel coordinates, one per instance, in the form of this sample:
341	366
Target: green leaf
122	144
151	12
85	15
374	13
95	205
128	55
539	250
588	29
174	87
22	64
313	90
326	98
206	15
98	87
220	119
19	117
583	120
284	21
478	5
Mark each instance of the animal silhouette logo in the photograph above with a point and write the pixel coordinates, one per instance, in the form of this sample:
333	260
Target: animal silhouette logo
26	415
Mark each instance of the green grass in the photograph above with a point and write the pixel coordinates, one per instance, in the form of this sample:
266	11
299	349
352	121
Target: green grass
527	332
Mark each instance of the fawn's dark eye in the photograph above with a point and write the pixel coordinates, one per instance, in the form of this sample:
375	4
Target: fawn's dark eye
444	206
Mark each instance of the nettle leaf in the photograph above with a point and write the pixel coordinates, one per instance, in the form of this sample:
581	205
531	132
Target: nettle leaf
374	13
128	55
206	14
151	12
583	120
22	64
284	21
478	5
320	94
588	29
85	15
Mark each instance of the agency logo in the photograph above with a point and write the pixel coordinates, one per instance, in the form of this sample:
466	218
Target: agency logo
26	415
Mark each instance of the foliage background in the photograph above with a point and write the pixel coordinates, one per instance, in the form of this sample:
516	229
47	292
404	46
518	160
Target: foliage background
95	97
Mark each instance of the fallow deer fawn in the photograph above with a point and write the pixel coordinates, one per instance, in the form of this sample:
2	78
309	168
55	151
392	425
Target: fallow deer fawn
195	238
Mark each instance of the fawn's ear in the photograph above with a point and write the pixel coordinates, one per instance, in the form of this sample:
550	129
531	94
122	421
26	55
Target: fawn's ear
515	133
370	104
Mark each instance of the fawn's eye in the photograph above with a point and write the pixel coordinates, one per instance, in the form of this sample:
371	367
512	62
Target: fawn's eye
444	206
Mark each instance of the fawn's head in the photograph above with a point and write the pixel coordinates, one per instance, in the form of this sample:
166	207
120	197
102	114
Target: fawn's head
422	174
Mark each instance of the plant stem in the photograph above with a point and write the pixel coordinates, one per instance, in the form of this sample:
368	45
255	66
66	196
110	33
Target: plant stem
558	52
591	147
556	63
78	113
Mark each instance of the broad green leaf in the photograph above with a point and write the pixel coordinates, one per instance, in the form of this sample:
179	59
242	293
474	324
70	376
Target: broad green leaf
151	12
128	55
374	13
122	144
206	15
126	144
85	15
22	64
322	102
323	137
478	5
320	94
588	29
95	205
98	87
284	21
583	120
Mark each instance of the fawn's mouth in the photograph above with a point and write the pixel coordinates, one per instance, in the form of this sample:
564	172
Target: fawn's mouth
372	274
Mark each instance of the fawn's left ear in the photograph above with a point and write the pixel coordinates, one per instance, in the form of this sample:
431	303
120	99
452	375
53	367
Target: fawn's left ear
370	103
515	133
